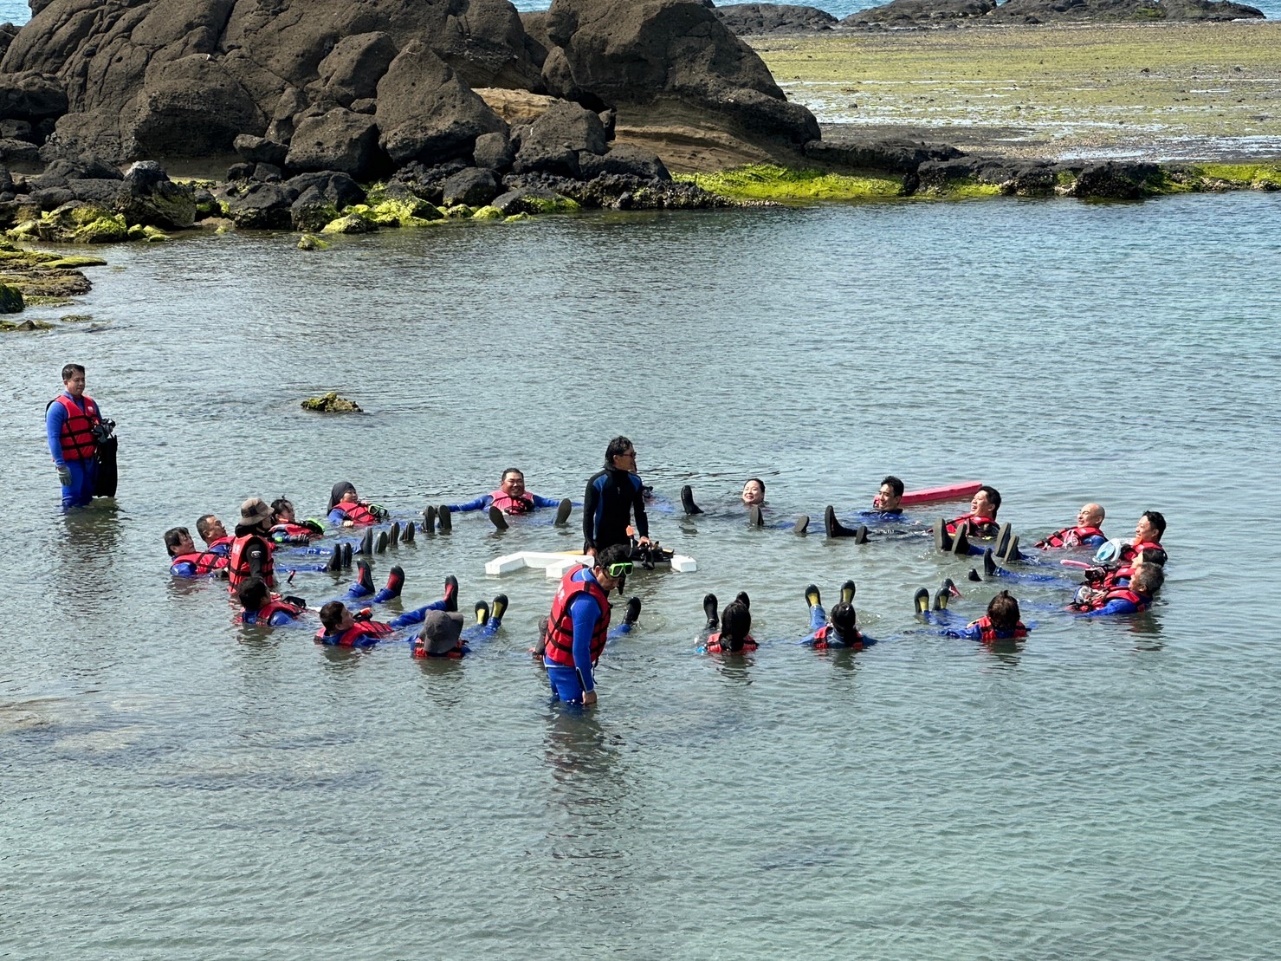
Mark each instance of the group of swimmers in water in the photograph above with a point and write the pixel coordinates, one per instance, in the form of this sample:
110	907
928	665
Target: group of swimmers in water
1121	577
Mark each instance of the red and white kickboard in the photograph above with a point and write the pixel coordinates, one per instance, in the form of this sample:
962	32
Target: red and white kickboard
948	492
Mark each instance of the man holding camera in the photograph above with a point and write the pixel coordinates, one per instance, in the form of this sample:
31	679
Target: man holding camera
76	431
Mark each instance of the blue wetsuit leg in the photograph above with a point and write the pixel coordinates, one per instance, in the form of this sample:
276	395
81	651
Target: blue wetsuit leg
565	682
416	616
84	474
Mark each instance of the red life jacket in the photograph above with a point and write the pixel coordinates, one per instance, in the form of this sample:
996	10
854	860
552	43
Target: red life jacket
77	440
273	606
560	622
223	542
352	636
1071	537
238	562
714	645
359	513
975	525
1131	551
824	632
1122	593
205	562
513	505
988	633
421	652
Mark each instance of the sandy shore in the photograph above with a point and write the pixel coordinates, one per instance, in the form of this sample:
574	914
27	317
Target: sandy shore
1193	91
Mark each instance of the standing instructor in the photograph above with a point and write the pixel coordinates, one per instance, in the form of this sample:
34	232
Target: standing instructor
613	495
74	428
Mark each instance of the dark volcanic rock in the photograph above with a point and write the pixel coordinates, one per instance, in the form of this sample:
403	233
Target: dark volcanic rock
425	111
31	96
1117	181
261	206
932	13
624	160
312	210
18	152
423	181
258	150
558	140
922	13
339	140
750	19
473	186
619	53
184	77
494	151
336	187
896	156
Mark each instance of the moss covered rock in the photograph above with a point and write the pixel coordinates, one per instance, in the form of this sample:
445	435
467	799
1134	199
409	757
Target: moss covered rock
403	213
351	223
11	300
75	263
488	213
459	212
331	403
311	242
12	326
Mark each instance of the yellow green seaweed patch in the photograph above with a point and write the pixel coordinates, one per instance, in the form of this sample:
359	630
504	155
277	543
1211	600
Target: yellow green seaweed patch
488	213
966	189
784	184
1251	174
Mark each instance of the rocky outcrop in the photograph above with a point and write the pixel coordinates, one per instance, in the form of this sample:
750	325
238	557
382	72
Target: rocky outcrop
754	19
934	13
670	58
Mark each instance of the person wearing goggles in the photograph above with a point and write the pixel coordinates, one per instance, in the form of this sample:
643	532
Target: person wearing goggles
575	632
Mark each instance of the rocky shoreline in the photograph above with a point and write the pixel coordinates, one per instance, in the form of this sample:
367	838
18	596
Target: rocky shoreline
380	130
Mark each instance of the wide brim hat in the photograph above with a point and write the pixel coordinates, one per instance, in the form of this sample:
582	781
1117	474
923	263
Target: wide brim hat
254	512
441	631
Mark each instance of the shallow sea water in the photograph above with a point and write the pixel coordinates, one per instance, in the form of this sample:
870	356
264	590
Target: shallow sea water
175	787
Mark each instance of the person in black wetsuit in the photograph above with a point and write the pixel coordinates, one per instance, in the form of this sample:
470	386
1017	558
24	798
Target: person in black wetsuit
613	495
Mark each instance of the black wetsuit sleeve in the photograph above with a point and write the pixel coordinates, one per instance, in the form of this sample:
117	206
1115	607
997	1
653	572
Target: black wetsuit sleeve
638	508
591	504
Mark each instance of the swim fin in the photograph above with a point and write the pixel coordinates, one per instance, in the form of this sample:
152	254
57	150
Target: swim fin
921	599
393	536
802	524
687	501
754	517
847	592
497	608
563	512
429	519
446	519
482	612
451	593
366	543
812	596
633	611
709	610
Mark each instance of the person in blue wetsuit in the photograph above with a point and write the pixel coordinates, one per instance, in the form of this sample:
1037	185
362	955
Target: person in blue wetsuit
1000	623
614	494
346	509
753	500
885	509
443	634
259	606
341	628
1145	580
186	561
839	630
74	427
576	630
510	499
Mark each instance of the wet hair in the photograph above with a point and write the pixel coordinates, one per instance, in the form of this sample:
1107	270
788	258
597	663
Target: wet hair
993	495
736	624
1157	520
756	480
70	370
280	505
173	537
1003	611
203	525
511	470
619	445
1147	579
1151	555
338	491
896	485
844	618
253	593
331	615
614	554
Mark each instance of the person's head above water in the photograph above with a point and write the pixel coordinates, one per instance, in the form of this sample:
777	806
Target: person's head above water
253	594
1003	611
255	513
612	565
282	511
1090	515
754	492
736	624
342	491
620	454
844	618
986	502
890	494
1150	527
1147	579
512	483
178	541
335	617
210	528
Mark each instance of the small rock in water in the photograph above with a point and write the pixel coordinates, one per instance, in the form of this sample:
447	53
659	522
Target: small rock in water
331	403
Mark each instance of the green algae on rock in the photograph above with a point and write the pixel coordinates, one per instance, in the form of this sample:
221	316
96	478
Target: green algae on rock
14	326
787	185
331	403
311	242
11	300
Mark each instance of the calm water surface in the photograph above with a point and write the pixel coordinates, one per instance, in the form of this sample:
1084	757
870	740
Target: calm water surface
176	788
